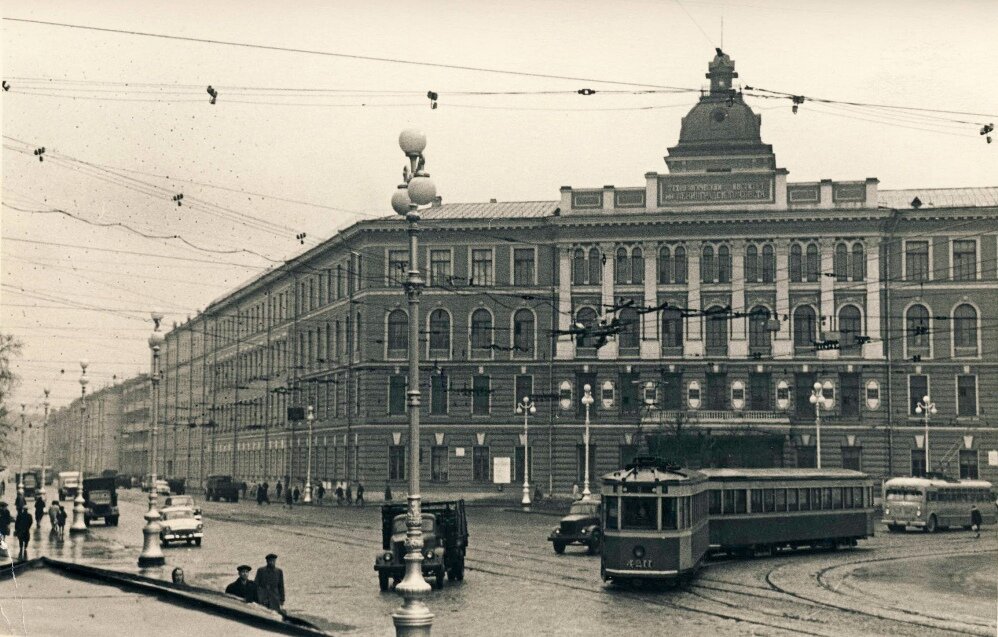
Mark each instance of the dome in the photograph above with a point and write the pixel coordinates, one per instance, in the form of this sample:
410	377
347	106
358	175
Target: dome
716	120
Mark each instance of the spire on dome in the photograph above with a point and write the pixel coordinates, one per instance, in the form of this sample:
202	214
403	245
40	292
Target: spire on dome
722	72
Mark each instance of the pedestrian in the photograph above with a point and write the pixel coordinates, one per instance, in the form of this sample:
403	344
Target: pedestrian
62	519
360	494
270	584
288	498
39	511
321	492
349	494
5	520
242	489
54	517
260	495
22	530
339	494
388	492
297	494
20	502
243	587
976	520
266	494
278	489
538	494
3	486
178	577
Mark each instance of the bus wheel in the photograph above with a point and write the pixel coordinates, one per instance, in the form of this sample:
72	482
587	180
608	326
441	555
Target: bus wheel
932	525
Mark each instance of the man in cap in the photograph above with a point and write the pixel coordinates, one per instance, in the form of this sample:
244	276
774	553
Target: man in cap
243	587
270	584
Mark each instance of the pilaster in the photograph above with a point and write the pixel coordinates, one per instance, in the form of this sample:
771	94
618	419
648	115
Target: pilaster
649	329
611	350
692	332
738	342
827	286
874	349
782	340
565	346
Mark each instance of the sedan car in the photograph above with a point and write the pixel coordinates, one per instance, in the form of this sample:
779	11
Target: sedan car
184	501
178	524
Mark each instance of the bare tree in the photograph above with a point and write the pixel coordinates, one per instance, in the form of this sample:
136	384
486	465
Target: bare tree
10	348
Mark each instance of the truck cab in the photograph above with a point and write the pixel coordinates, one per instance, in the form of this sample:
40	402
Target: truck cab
580	526
445	541
100	500
69	482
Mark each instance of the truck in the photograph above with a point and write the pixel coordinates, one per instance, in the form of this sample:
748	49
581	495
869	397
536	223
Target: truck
100	500
221	488
31	480
445	542
69	482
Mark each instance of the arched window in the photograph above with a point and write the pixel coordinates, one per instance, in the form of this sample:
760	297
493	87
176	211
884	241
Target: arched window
622	269
850	328
707	273
664	265
398	333
858	262
751	264
587	318
637	266
439	333
717	331
804	328
523	334
813	263
595	267
481	332
759	334
768	264
579	267
679	264
965	330
917	330
672	328
630	332
724	265
840	263
796	272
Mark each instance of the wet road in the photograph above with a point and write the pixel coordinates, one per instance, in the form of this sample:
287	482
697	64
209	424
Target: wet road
907	584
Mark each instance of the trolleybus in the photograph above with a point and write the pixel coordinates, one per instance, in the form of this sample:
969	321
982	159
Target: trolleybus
935	503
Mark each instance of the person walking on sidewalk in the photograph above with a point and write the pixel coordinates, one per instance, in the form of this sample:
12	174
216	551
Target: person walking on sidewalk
243	587
22	529
279	488
54	517
39	511
288	498
62	519
322	492
266	494
349	494
5	520
360	494
976	520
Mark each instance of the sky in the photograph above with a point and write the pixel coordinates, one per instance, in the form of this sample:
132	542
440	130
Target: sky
306	142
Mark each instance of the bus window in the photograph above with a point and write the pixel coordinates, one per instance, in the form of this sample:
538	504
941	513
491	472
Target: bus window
740	501
640	513
756	500
715	501
792	504
781	499
768	501
669	511
908	495
612	506
836	497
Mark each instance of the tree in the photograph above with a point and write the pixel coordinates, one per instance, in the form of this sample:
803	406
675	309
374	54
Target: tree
10	348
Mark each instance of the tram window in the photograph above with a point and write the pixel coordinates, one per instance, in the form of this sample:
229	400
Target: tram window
669	513
857	497
805	499
640	513
715	501
612	506
826	498
837	498
816	499
729	502
756	500
740	503
781	499
768	500
847	498
792	503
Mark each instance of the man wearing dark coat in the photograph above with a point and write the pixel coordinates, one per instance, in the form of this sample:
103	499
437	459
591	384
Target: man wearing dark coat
270	584
39	511
22	530
5	519
243	587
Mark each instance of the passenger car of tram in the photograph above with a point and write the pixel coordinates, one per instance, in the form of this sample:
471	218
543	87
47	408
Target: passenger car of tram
935	503
654	522
760	510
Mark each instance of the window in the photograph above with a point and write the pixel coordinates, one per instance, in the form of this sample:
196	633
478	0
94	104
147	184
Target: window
664	265
760	392
852	458
858	262
439	385
481	333
807	457
917	330
622	269
965	330
438	464
916	260
398	334
850	329
595	267
768	264
966	395
637	266
796	271
641	513
759	334
918	386
751	264
440	267
580	463
523	334
804	329
717	331
396	462
708	274
518	464
672	328
840	263
630	331
398	265
523	386
524	272
579	270
679	264
396	395
480	395
480	464
630	393
586	317
439	333
964	260
968	464
918	463
724	264
813	267
481	267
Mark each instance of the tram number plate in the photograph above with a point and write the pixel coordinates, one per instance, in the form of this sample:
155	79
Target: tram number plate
638	563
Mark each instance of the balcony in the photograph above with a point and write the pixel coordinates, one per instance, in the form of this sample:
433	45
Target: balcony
715	416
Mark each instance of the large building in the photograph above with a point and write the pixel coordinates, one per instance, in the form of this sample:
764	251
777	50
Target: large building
712	297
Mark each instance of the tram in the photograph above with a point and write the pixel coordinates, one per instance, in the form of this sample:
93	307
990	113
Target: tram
763	510
654	522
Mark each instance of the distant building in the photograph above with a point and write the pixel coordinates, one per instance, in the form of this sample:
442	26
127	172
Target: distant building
99	420
734	290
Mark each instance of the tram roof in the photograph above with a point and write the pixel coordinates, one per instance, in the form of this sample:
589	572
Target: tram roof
646	474
791	473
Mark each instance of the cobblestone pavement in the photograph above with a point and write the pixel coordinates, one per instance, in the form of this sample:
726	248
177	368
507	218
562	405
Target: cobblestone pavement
897	584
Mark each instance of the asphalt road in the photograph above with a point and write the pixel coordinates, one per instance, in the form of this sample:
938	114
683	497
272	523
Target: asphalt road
897	584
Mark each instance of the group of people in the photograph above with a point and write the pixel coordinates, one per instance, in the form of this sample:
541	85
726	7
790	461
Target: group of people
344	493
266	589
22	522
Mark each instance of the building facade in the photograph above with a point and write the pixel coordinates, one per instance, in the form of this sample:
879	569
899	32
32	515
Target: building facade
700	305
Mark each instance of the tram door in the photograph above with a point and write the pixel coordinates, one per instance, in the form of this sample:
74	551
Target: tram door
803	384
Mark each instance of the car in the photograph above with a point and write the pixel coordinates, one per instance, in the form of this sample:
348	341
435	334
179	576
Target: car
183	501
445	542
178	524
580	526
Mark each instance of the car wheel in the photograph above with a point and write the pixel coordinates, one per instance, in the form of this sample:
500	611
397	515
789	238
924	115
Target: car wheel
164	543
559	547
594	543
383	581
439	581
197	541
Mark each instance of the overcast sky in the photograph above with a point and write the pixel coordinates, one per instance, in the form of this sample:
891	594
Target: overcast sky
330	146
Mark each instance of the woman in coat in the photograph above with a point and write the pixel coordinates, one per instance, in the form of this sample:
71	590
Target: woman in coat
22	530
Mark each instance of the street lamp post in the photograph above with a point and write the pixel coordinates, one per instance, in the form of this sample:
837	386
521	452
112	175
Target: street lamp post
151	554
20	475
45	424
310	417
528	409
79	524
414	617
819	401
587	401
925	408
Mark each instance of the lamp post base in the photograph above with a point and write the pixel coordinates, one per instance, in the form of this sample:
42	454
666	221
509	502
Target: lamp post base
79	523
414	618
525	502
151	554
307	499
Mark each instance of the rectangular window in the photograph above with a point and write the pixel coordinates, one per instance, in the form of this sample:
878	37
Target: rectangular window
792	502
760	392
438	394
852	458
964	260
966	395
756	500
781	499
523	386
715	502
440	268
523	266
918	386
480	395
396	395
916	259
398	265
918	463
396	462
630	394
641	513
438	464
480	464
481	267
968	464
805	499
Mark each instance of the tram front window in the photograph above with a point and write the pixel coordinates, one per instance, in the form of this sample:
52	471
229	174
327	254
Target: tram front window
639	513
